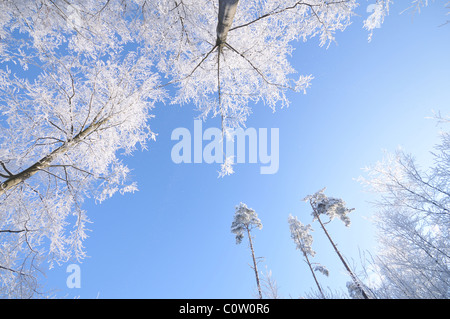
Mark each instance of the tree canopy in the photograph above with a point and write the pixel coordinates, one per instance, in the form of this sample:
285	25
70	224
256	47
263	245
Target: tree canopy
79	81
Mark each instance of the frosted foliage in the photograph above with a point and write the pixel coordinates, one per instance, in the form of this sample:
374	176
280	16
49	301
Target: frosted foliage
413	256
322	269
252	65
79	117
404	184
244	220
329	206
227	167
379	11
301	236
71	102
354	290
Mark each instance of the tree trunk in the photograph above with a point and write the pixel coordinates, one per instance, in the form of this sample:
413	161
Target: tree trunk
352	275
314	276
227	10
255	268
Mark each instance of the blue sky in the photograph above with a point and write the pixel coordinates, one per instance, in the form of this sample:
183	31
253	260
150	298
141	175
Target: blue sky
172	239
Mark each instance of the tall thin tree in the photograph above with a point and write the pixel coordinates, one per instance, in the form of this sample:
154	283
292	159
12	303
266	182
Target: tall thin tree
333	207
245	220
303	241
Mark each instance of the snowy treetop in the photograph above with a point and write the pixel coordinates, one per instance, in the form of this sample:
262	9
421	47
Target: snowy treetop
301	235
245	219
332	207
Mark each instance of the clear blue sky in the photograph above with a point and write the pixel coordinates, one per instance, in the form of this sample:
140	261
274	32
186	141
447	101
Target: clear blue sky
172	239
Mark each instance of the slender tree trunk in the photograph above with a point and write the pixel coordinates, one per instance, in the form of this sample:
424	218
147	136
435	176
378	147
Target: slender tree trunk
352	275
227	10
46	161
255	268
314	275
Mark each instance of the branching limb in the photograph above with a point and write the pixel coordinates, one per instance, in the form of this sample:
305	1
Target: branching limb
279	11
256	69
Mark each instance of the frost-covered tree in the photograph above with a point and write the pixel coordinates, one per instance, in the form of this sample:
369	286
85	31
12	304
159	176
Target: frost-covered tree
303	240
412	219
333	207
244	221
269	285
71	99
